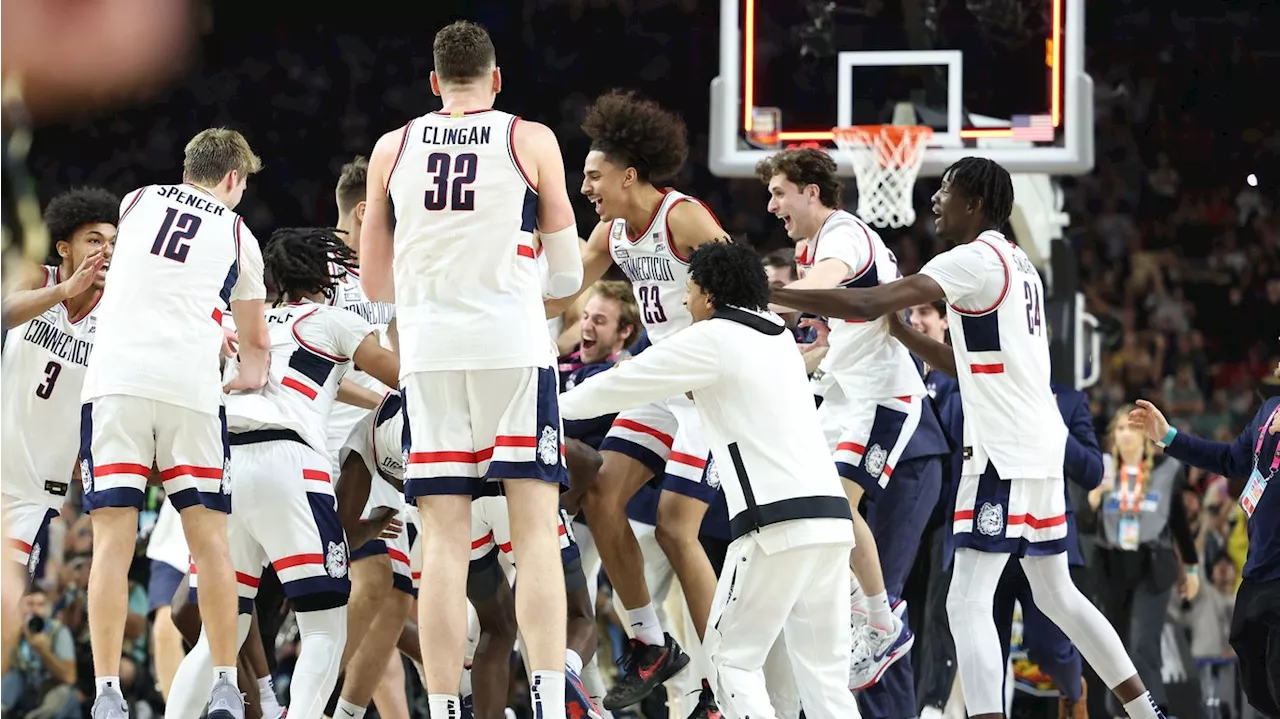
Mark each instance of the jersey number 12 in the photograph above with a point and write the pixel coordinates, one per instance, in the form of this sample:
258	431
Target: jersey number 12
452	176
171	240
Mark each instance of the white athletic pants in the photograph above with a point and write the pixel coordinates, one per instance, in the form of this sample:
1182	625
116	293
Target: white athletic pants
795	594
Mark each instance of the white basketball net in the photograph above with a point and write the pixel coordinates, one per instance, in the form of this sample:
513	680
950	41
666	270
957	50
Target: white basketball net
886	159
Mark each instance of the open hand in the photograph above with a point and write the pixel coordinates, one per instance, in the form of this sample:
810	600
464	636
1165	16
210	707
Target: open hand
1150	420
82	279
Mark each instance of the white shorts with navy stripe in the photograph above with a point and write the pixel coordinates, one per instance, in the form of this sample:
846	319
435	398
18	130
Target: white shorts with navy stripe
396	550
26	529
286	514
1015	516
868	437
468	426
491	529
667	438
120	437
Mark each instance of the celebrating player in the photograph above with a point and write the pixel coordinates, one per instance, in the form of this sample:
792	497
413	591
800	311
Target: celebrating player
44	366
155	394
649	232
469	185
1011	498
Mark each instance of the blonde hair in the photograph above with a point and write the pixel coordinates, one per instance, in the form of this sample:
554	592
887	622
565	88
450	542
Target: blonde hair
1149	449
214	152
628	310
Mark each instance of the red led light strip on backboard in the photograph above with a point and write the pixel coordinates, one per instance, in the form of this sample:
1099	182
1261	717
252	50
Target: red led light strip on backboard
1053	58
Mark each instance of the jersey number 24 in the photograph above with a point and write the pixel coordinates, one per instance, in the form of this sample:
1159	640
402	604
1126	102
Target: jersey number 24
452	176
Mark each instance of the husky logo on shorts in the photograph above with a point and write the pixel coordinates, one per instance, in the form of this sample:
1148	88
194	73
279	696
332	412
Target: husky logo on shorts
33	560
990	519
713	473
876	457
335	560
226	476
86	476
549	446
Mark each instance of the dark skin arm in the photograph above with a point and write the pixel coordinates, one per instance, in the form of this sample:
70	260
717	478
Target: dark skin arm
937	354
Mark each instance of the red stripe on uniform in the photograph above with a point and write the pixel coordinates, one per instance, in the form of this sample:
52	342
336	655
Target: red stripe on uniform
688	459
247	580
316	474
189	470
637	427
103	470
475	543
472	457
397	555
851	447
997	368
19	544
217	315
1036	522
294	384
506	548
298	560
525	251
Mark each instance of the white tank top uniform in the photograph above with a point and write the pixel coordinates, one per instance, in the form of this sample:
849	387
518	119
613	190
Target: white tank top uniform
1010	497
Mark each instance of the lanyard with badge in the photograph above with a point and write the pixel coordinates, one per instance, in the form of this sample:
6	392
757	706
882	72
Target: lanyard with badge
1252	493
1130	498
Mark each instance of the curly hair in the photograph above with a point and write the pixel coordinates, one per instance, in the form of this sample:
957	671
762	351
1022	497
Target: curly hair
351	183
983	179
731	274
76	208
299	261
637	133
463	52
805	166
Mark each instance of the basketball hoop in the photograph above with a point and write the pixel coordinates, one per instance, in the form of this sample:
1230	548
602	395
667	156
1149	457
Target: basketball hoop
886	160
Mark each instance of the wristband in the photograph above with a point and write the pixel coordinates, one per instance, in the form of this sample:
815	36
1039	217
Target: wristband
1168	437
1193	569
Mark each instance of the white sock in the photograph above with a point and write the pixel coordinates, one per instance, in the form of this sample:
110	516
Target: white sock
573	661
878	613
105	683
645	626
266	687
322	634
547	694
230	672
857	598
443	706
350	710
1142	708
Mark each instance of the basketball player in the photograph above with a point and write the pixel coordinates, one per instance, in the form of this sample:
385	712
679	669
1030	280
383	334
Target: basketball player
789	518
649	231
45	356
156	393
287	513
469	185
1010	499
878	420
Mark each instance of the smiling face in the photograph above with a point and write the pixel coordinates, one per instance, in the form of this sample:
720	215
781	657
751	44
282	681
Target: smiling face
85	240
606	185
927	320
797	206
955	212
698	302
602	335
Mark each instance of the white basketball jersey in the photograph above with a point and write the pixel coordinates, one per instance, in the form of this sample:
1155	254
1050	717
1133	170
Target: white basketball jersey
996	316
181	256
44	368
659	276
865	359
311	350
344	417
468	294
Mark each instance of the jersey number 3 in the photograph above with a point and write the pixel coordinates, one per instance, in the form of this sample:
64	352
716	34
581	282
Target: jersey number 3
171	241
51	371
452	175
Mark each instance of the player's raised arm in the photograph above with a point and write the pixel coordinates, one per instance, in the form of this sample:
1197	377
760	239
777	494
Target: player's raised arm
376	236
556	225
595	262
861	303
248	307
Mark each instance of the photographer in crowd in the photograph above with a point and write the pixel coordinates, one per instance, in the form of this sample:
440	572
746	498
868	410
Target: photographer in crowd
42	675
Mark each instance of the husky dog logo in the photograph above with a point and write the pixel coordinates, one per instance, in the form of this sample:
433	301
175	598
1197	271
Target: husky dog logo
991	519
33	560
713	473
226	476
86	476
876	457
335	560
549	446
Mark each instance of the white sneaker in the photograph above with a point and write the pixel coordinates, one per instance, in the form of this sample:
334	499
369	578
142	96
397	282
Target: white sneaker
875	650
858	619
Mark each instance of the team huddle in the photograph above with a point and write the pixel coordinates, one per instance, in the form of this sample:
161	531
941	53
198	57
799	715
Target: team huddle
380	405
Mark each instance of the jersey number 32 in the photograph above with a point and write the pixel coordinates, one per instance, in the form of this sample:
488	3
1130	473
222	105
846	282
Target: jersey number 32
453	177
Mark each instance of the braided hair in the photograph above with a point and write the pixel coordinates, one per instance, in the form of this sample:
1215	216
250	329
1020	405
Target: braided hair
299	261
983	179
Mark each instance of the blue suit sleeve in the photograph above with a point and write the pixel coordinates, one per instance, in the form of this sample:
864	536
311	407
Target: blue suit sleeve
1083	459
1230	459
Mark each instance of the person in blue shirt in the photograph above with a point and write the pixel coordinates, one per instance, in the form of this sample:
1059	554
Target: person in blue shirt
1255	457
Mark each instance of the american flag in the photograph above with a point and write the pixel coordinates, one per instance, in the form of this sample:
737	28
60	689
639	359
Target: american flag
1033	128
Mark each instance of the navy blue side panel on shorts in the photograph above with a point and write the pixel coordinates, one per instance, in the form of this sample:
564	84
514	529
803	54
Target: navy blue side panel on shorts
162	585
704	490
332	554
38	552
995	491
113	497
885	430
371	548
548	461
650	459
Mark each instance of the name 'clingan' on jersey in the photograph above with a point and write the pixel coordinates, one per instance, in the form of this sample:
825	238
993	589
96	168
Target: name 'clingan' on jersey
181	257
468	291
659	275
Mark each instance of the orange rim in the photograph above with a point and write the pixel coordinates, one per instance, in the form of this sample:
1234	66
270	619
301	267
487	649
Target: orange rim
893	136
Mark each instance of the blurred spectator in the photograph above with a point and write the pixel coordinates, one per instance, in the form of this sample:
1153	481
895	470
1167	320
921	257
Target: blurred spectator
43	674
